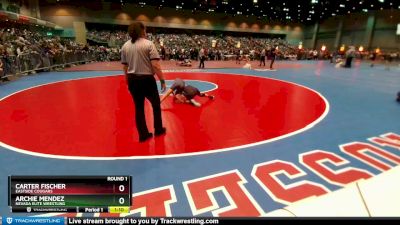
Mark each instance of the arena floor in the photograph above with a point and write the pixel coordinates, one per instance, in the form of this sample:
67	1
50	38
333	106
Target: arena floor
270	138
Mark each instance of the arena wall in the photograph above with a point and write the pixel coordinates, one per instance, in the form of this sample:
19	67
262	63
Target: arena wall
371	30
66	15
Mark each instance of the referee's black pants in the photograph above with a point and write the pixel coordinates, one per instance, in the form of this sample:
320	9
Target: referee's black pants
272	62
202	59
262	60
142	87
348	62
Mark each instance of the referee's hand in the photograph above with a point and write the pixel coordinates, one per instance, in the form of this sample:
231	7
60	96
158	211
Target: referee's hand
163	87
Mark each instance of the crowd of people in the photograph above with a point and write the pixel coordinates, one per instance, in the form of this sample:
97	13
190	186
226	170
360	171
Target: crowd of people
112	39
25	49
184	46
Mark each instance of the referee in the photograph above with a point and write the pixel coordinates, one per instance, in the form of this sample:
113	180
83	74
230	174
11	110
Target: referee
141	61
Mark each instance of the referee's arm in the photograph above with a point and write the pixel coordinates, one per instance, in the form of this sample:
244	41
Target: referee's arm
124	63
155	63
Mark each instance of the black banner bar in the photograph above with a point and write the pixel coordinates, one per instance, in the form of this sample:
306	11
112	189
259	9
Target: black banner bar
68	179
222	221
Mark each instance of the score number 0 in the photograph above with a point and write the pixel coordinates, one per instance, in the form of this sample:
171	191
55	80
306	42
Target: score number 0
121	200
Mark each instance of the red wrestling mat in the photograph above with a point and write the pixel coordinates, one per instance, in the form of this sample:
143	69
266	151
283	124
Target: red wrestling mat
94	117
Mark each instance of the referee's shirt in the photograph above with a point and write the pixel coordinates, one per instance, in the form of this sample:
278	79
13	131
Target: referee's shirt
138	56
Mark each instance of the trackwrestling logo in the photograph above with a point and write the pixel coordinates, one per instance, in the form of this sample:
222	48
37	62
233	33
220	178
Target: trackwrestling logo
34	221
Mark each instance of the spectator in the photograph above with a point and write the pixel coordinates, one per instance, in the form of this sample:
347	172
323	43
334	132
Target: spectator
349	56
262	57
202	57
1	69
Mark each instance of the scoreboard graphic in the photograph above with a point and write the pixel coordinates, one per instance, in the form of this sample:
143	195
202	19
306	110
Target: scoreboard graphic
85	194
